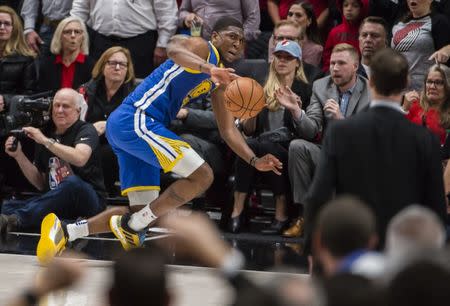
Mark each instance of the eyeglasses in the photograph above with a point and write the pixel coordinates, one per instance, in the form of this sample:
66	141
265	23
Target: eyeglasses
114	64
70	32
297	15
437	83
6	24
282	37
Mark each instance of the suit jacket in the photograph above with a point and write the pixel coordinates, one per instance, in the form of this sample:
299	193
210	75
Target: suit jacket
313	121
382	158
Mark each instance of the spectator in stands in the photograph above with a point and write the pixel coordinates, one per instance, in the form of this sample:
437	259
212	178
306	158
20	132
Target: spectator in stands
278	9
344	236
379	155
431	108
207	12
303	14
335	97
52	14
69	66
289	30
417	36
143	27
17	77
353	12
66	166
286	82
414	229
17	69
372	37
112	80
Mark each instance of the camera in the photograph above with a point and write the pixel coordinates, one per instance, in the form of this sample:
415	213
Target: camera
26	111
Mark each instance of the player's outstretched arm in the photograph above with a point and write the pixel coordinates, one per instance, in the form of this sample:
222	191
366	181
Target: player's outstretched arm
192	52
234	139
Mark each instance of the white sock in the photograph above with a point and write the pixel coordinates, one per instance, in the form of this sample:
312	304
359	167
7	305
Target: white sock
77	230
142	218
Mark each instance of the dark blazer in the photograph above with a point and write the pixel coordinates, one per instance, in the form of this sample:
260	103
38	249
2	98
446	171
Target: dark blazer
50	73
384	159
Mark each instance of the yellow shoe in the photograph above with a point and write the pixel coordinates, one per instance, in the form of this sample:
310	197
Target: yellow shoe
53	240
128	237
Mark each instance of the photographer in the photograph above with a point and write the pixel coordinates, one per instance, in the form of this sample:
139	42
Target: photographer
66	165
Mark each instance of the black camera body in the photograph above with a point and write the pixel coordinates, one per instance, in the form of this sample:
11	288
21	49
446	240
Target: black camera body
26	111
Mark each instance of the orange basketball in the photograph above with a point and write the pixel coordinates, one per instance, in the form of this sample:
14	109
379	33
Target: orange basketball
244	98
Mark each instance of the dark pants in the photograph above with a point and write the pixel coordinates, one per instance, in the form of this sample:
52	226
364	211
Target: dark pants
245	174
141	48
72	199
110	168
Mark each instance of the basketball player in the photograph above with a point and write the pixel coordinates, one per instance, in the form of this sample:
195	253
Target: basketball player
137	131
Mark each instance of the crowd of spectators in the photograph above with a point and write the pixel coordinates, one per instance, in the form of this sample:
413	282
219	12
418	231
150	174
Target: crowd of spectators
317	55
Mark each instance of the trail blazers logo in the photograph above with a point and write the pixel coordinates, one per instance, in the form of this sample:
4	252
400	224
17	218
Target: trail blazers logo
406	37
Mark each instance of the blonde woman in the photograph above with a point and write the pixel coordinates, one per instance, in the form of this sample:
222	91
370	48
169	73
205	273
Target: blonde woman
69	64
271	132
112	80
17	77
17	70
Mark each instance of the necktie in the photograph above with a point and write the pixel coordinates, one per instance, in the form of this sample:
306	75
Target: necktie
344	102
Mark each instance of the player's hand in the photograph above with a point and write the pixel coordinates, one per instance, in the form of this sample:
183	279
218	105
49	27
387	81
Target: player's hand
35	134
222	76
269	163
159	56
34	41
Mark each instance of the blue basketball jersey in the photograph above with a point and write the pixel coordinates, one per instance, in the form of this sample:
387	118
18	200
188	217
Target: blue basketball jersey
169	87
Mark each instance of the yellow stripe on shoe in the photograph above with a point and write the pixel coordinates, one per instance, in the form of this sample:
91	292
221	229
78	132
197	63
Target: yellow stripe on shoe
128	239
52	241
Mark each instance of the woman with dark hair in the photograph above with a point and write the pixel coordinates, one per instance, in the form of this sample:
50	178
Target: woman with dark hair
432	107
302	13
112	80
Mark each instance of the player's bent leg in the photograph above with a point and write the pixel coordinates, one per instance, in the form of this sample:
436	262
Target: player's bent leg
183	190
128	237
53	239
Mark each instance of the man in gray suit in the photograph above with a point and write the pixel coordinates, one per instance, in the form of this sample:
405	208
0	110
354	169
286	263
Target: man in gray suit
335	97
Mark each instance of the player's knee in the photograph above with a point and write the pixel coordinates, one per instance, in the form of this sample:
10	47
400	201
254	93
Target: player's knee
204	175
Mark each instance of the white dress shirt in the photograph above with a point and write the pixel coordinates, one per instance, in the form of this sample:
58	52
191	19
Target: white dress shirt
129	18
52	9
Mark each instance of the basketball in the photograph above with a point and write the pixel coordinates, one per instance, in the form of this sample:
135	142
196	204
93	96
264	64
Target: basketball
244	98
